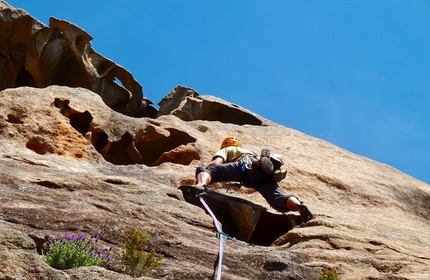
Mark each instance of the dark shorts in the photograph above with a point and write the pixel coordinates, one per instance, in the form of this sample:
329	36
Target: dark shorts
274	196
254	178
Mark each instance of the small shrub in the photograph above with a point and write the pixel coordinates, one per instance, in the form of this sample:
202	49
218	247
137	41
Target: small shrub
328	274
71	251
136	262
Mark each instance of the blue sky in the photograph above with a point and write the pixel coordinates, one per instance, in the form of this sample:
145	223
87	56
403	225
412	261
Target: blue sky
354	73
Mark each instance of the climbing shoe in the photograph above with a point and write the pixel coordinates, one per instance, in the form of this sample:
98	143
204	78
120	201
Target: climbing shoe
277	160
279	175
192	189
305	213
265	162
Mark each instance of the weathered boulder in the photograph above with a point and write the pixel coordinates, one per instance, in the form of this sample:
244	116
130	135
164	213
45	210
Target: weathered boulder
63	124
186	104
33	54
56	177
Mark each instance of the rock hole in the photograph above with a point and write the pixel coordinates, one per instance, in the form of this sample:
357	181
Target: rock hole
116	181
80	43
257	226
40	242
125	151
69	70
79	155
103	67
13	119
63	105
49	184
118	152
270	227
38	145
24	78
81	122
152	150
99	139
118	81
213	111
275	266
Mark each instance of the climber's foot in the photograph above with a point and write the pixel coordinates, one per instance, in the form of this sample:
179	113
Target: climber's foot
265	162
192	189
305	213
279	175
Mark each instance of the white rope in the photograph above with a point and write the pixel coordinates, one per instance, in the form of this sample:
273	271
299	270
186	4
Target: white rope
220	236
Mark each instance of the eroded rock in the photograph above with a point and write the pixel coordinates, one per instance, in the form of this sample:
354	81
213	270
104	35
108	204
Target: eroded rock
57	122
186	104
56	177
71	164
33	54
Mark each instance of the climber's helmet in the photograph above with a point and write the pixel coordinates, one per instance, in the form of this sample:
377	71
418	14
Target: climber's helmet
230	141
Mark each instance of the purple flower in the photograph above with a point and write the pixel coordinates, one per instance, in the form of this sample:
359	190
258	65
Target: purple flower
72	238
67	237
81	236
95	236
101	252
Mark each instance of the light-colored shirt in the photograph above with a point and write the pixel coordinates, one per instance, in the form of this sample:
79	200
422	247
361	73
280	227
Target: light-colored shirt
233	153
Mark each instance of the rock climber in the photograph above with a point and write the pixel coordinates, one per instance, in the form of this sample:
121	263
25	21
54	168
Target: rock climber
232	163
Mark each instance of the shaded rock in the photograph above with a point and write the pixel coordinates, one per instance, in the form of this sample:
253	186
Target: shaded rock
33	54
238	217
59	123
173	99
247	221
187	104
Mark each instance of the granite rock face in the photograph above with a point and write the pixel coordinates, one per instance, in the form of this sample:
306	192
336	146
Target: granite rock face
75	158
71	164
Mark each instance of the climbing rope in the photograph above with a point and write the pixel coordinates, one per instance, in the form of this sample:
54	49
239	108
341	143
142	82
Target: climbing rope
221	234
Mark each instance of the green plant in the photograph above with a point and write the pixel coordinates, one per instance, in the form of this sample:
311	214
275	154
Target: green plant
134	258
71	251
328	274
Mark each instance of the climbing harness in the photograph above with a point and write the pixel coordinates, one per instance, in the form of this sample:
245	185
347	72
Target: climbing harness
245	162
